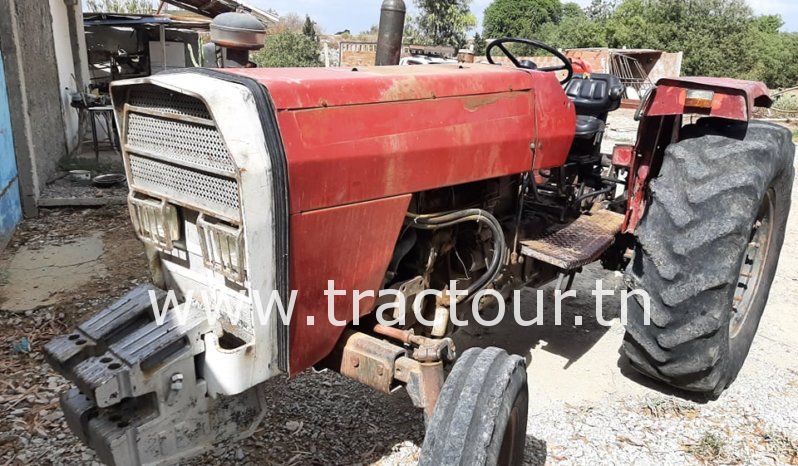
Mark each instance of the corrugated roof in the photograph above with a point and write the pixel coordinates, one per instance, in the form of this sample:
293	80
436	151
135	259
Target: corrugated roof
213	8
123	20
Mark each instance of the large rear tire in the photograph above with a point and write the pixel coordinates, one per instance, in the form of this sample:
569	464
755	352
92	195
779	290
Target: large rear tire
481	413
707	251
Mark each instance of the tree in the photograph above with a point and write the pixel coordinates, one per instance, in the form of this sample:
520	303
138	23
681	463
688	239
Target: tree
574	32
445	22
774	53
288	49
480	44
713	34
290	22
572	10
718	37
373	30
575	29
520	18
309	29
121	6
601	10
412	32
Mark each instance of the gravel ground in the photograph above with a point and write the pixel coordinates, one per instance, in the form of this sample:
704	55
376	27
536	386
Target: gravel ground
586	406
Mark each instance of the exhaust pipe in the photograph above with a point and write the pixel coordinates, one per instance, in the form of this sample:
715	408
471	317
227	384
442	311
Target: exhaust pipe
392	27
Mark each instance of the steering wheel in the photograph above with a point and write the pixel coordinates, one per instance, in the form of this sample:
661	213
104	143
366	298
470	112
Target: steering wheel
528	64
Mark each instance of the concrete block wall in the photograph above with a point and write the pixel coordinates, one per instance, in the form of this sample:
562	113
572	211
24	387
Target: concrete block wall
34	94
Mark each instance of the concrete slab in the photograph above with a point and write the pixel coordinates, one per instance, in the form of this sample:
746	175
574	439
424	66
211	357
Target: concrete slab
33	278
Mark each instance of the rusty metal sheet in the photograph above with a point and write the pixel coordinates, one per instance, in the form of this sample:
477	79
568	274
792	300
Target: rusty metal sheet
579	243
369	360
213	8
304	88
358	144
734	99
351	245
357	136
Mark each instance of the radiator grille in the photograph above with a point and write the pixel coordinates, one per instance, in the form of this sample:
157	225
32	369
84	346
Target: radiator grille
179	141
160	99
211	193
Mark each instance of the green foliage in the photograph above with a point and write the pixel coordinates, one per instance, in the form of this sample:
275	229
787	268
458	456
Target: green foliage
288	49
600	10
444	22
372	31
309	29
775	54
520	18
718	37
574	32
480	44
713	34
787	102
572	10
412	33
121	6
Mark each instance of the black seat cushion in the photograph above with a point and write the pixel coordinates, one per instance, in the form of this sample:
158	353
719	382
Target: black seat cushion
595	94
588	126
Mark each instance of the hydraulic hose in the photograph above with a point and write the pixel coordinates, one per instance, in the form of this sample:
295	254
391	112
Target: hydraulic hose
445	220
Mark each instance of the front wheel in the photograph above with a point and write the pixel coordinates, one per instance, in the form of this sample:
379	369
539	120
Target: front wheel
707	251
481	414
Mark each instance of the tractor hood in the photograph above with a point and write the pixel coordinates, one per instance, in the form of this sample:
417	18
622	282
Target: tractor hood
355	135
303	88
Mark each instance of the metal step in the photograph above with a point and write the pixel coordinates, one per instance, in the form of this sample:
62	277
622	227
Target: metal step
578	243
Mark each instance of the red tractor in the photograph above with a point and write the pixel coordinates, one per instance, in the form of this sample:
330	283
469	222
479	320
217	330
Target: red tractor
399	184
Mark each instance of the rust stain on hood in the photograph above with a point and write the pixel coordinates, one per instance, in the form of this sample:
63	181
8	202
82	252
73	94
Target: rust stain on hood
406	88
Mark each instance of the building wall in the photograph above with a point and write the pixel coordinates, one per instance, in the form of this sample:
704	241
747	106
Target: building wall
365	53
66	69
668	66
35	98
10	207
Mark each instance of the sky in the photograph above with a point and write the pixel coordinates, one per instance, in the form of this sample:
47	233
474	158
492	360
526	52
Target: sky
360	15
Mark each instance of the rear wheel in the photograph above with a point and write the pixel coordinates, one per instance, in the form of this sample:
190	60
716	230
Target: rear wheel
480	417
707	252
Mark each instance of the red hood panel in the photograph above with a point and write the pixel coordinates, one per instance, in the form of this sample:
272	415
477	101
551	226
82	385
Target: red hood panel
355	136
298	88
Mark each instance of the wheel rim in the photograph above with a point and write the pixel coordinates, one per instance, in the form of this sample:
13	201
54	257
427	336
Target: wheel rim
753	266
507	454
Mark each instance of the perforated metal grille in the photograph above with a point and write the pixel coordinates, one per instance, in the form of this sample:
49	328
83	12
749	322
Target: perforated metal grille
179	141
212	193
160	99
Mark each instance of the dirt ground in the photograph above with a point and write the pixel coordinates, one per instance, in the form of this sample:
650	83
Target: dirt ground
586	405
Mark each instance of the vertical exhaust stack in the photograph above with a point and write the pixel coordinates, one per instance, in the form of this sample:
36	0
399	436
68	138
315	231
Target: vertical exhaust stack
392	27
233	36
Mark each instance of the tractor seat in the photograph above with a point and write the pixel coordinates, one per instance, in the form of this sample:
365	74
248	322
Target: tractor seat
588	126
595	96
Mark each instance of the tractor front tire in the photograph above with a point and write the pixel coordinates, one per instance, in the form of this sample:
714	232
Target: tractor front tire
706	252
481	413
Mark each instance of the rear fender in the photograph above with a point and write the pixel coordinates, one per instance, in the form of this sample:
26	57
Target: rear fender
730	98
661	116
